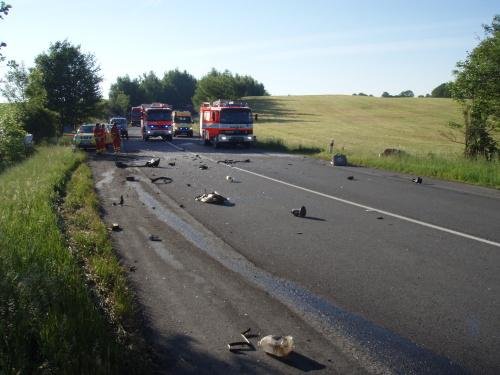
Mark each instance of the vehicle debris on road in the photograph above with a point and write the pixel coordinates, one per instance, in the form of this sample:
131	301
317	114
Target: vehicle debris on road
153	163
153	237
417	180
172	163
350	178
121	200
299	212
203	167
115	227
246	345
214	198
231	161
130	178
279	346
229	178
339	160
166	180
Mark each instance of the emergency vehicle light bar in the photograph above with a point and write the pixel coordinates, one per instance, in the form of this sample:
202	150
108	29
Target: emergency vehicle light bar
229	103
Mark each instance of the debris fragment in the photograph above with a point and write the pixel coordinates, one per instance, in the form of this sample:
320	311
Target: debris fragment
121	200
231	161
188	185
242	345
153	237
350	178
153	163
229	178
166	180
214	198
114	203
115	227
132	268
380	218
172	163
339	160
300	212
203	167
181	206
279	346
417	180
130	178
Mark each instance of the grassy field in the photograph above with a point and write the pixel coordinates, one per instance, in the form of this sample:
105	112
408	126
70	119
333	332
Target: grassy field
50	321
362	127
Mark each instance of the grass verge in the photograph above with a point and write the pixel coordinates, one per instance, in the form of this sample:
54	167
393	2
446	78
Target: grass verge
445	167
49	321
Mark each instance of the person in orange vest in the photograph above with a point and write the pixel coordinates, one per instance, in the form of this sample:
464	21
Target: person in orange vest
97	138
115	135
100	138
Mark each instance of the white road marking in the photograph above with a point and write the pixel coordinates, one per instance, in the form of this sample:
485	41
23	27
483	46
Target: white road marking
401	217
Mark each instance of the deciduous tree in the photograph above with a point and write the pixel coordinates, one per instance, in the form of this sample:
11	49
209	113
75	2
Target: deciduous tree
70	79
477	88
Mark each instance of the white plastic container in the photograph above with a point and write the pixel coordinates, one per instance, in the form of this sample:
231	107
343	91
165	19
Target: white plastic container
279	346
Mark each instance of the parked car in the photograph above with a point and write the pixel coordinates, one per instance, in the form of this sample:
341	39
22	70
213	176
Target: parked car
121	123
84	137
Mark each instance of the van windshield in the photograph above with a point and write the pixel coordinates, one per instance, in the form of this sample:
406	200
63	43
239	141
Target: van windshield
182	119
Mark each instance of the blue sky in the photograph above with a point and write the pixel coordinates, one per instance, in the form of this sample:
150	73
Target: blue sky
293	47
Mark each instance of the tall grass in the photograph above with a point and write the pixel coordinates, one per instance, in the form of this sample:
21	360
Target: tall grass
48	321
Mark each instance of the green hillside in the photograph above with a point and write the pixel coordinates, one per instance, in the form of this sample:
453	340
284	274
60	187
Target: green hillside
361	125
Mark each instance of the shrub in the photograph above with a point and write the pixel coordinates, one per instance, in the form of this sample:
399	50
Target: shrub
39	121
11	138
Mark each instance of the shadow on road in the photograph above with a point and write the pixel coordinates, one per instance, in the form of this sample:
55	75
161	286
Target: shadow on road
180	354
300	362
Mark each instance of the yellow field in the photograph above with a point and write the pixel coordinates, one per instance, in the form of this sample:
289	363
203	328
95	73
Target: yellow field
360	126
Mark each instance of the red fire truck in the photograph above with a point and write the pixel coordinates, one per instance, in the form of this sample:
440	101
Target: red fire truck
156	121
135	116
226	122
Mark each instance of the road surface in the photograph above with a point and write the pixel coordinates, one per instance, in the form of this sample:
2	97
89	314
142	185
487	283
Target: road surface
383	275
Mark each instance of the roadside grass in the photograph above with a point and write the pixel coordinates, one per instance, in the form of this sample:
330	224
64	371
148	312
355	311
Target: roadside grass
362	127
49	321
89	240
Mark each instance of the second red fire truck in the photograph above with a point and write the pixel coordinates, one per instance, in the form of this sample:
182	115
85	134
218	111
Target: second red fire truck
226	122
156	121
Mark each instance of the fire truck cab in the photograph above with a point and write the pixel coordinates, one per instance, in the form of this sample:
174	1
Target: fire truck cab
226	122
156	121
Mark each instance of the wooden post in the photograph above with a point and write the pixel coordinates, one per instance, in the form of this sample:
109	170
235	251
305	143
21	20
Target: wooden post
330	146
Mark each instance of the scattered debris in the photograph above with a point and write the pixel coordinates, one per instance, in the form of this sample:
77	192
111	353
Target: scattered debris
242	345
339	160
279	346
153	237
181	206
153	207
153	163
380	218
115	227
132	268
166	180
188	185
417	180
130	178
114	203
391	152
231	161
350	178
121	200
172	163
214	198
300	212
203	167
229	178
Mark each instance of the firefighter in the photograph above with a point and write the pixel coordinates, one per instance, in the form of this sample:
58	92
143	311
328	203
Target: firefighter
96	138
115	135
99	134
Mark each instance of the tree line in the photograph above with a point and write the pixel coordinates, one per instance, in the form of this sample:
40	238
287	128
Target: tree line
180	89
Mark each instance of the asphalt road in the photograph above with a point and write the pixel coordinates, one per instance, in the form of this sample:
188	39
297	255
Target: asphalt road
383	275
